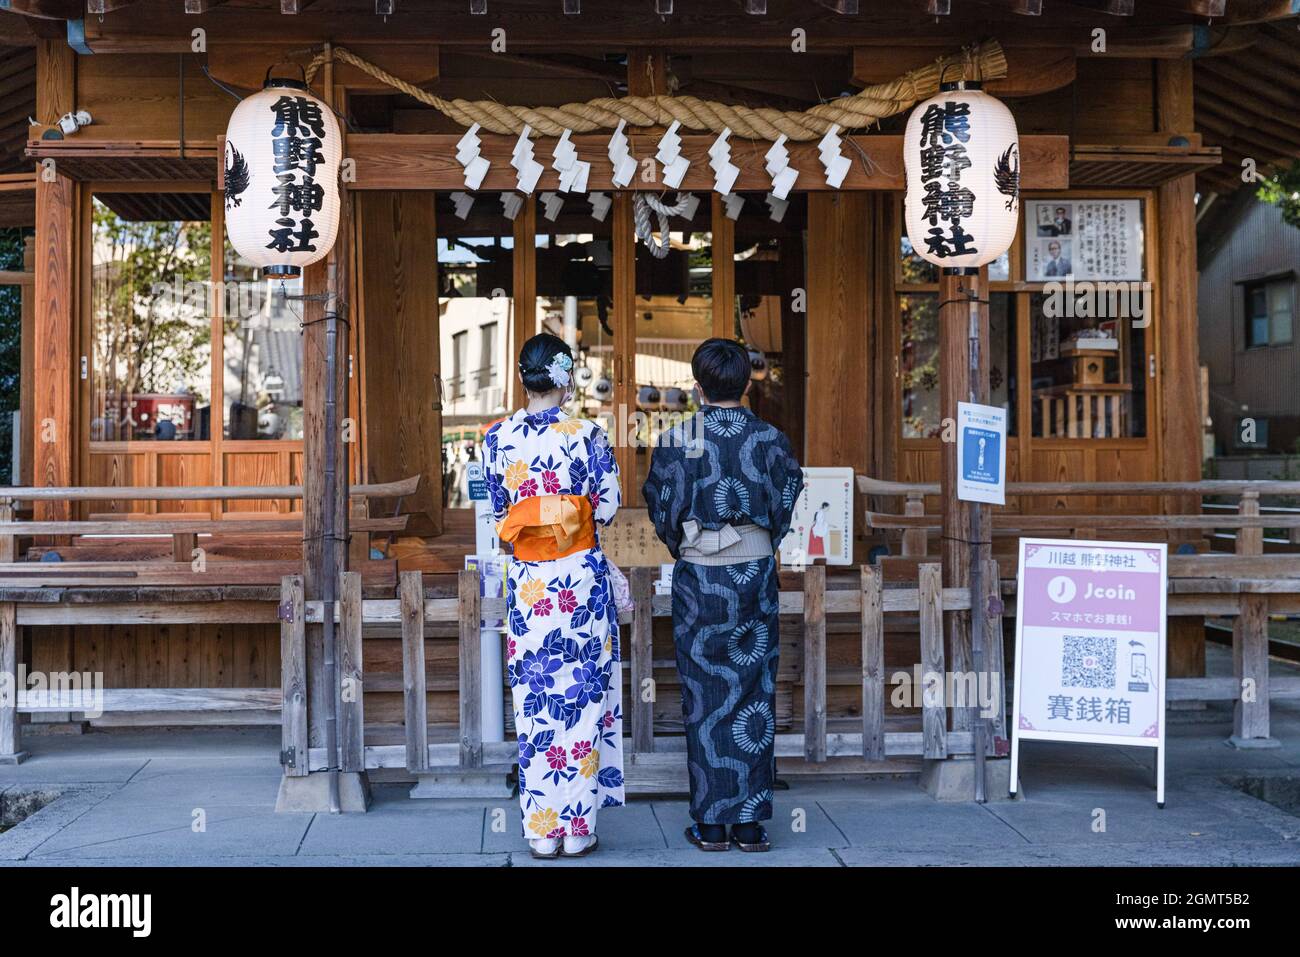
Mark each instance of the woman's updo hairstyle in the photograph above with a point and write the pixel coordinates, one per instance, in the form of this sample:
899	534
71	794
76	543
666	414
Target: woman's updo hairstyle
539	367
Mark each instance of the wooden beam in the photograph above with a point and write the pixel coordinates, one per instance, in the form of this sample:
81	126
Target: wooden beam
427	161
1024	8
1260	11
1029	71
1116	8
145	28
46	9
1198	8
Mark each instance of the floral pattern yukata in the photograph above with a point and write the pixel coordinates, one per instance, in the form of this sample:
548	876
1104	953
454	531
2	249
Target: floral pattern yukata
564	671
726	467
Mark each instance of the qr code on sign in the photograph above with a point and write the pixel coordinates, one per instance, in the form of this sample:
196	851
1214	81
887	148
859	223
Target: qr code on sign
1088	662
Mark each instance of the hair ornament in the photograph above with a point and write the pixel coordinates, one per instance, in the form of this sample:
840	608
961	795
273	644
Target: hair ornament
558	370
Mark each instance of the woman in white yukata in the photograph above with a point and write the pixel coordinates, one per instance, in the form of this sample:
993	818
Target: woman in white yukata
553	480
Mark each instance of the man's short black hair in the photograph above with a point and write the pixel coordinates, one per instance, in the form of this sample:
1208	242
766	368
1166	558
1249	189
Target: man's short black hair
722	369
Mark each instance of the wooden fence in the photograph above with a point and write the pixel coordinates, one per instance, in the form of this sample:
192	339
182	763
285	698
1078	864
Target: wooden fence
1247	586
652	763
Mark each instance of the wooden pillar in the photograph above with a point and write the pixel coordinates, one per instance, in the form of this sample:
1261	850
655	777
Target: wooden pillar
724	272
322	557
54	342
11	751
27	367
1175	326
524	324
54	339
624	311
956	385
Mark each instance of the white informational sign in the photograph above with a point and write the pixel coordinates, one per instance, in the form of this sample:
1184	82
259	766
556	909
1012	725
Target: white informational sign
1083	239
486	541
1090	646
981	453
822	526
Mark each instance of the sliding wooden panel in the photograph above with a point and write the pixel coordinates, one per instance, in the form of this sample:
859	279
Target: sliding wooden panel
403	426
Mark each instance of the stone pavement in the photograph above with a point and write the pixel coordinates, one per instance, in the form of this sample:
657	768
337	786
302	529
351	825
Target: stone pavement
133	798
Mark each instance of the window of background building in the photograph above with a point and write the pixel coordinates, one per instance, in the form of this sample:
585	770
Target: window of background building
1269	309
475	290
488	374
151	335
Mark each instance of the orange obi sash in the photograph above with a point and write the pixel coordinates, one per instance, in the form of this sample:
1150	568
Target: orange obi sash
546	527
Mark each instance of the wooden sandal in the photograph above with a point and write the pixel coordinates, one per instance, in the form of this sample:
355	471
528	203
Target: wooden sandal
595	843
762	845
693	835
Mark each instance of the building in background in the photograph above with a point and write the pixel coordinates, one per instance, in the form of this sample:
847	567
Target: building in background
1249	264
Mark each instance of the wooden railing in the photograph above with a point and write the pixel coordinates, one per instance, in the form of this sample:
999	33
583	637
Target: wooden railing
183	532
1247	586
150	592
652	763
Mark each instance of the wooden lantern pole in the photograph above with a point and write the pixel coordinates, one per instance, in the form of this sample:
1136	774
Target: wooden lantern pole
964	309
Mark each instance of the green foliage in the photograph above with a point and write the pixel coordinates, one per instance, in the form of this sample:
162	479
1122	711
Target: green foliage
11	257
1282	189
145	340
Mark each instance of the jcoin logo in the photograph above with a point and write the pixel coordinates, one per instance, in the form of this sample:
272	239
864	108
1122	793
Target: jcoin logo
1061	589
75	909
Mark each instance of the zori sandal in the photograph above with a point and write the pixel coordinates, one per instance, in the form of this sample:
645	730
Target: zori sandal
761	845
693	835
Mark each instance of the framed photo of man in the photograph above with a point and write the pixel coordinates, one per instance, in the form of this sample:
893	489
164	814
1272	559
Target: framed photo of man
1083	239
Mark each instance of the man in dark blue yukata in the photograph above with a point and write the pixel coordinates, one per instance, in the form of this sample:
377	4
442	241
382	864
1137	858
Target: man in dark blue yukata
721	491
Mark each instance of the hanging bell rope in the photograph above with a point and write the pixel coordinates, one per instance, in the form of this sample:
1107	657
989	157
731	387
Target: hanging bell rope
643	204
868	106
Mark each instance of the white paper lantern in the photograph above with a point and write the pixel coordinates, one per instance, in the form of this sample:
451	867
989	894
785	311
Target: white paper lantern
283	149
961	154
